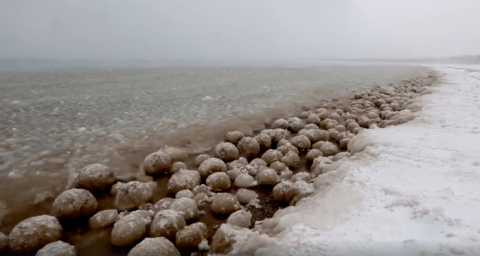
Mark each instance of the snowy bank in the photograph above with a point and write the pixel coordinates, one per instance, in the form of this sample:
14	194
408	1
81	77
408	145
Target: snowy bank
413	190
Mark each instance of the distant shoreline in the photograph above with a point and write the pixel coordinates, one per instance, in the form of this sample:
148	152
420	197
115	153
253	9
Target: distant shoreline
41	65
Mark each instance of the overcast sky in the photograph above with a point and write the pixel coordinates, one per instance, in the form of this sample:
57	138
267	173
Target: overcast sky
242	29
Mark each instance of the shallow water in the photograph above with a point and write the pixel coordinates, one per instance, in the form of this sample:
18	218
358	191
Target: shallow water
56	122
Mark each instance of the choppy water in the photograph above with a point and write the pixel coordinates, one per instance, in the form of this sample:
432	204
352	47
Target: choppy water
54	122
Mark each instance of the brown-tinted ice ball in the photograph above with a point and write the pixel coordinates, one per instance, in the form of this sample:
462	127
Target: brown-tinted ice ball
234	165
304	114
284	192
127	230
333	134
364	121
343	144
130	195
167	223
318	164
318	145
162	204
305	176
234	137
177	166
201	158
201	189
240	218
271	156
223	240
184	179
252	169
335	116
3	241
282	142
243	161
184	193
323	115
286	174
244	180
293	118
280	123
233	174
296	125
176	154
227	151
349	121
312	154
278	166
264	141
340	128
258	162
342	135
390	115
158	246
187	207
314	135
284	149
340	111
347	116
245	196
74	203
323	135
373	115
357	130
210	166
248	147
291	160
329	149
58	248
34	233
279	134
224	203
157	162
301	142
95	177
313	119
311	127
267	177
191	236
103	219
218	181
328	123
352	125
202	199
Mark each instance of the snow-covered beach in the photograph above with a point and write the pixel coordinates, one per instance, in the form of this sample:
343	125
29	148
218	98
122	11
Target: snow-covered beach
413	190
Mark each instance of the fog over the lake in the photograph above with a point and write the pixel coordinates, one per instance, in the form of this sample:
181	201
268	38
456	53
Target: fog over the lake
247	29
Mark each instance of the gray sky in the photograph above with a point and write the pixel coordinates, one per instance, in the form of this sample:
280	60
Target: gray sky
245	29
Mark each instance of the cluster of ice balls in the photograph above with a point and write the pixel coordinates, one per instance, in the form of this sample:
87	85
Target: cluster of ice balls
272	159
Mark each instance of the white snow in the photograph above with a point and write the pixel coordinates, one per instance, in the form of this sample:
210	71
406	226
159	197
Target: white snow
414	190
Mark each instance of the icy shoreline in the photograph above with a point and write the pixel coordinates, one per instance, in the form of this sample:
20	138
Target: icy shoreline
382	106
412	191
